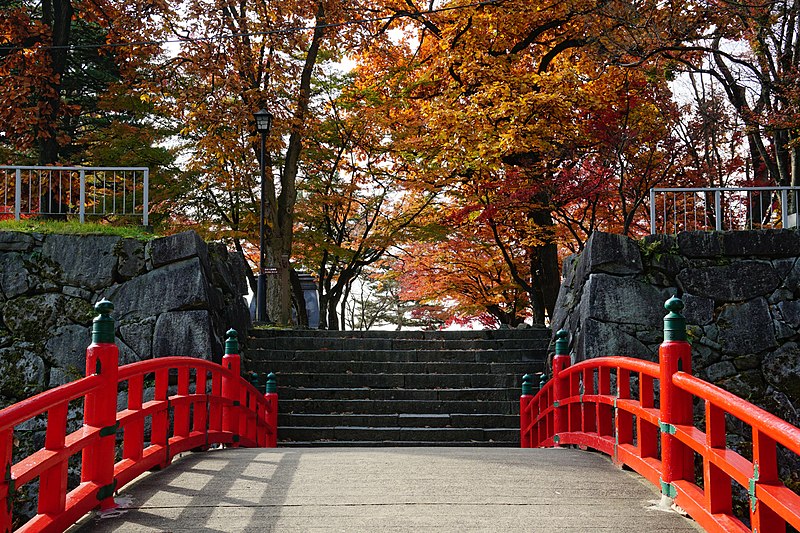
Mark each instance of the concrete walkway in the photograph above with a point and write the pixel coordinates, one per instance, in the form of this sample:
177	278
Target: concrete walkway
390	489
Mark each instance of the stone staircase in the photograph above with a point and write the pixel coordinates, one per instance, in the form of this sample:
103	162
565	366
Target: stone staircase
410	388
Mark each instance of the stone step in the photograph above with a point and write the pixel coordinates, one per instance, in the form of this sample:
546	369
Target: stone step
365	393
400	381
527	333
393	407
409	356
391	443
395	434
357	344
460	420
408	388
393	367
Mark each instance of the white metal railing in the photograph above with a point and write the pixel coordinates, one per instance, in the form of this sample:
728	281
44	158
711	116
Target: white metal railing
722	208
82	191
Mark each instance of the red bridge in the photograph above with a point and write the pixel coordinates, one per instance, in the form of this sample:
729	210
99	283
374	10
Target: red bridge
212	404
639	413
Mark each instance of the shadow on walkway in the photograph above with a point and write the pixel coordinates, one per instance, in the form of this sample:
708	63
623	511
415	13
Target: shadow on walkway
391	489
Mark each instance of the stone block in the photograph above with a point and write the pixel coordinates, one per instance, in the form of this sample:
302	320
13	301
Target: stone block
239	267
736	282
60	376
748	384
33	318
175	286
623	300
130	258
13	275
609	253
746	328
699	244
718	371
234	315
704	356
711	331
780	295
86	260
659	255
32	367
568	294
698	310
126	353
177	247
792	278
782	330
599	339
139	337
763	243
790	311
66	348
77	292
15	241
783	266
185	333
5	336
747	362
226	270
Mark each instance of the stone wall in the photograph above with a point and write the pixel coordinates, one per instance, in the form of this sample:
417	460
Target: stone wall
175	295
742	296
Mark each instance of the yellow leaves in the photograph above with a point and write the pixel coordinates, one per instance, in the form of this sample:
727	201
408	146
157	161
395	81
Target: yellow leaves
144	97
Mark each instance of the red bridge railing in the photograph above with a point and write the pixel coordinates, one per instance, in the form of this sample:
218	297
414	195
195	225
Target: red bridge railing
196	403
641	414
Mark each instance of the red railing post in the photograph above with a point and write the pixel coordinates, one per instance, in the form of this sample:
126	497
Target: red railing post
52	500
525	412
271	397
6	483
675	355
230	386
561	361
100	406
765	472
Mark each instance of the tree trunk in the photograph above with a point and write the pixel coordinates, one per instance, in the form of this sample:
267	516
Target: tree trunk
323	309
284	223
58	15
299	299
333	313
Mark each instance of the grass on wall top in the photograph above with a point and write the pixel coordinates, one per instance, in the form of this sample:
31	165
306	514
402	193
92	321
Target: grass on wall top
76	228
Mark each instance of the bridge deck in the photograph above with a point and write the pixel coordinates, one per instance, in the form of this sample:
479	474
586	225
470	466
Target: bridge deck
391	489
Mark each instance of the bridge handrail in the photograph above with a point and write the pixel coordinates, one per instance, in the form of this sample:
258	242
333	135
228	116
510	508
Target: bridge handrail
776	428
222	408
29	408
654	432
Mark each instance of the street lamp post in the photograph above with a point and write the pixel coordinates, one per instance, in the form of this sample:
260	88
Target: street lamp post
263	124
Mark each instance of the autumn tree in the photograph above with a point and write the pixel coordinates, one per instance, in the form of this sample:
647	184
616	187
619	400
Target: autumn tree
493	98
465	271
630	144
750	51
236	60
57	71
354	205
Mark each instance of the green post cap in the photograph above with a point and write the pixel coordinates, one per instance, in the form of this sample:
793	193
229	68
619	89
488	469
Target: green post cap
674	322
542	380
562	342
527	386
231	342
103	324
272	383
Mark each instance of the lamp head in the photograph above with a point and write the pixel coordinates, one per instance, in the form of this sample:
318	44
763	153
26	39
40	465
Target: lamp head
263	120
